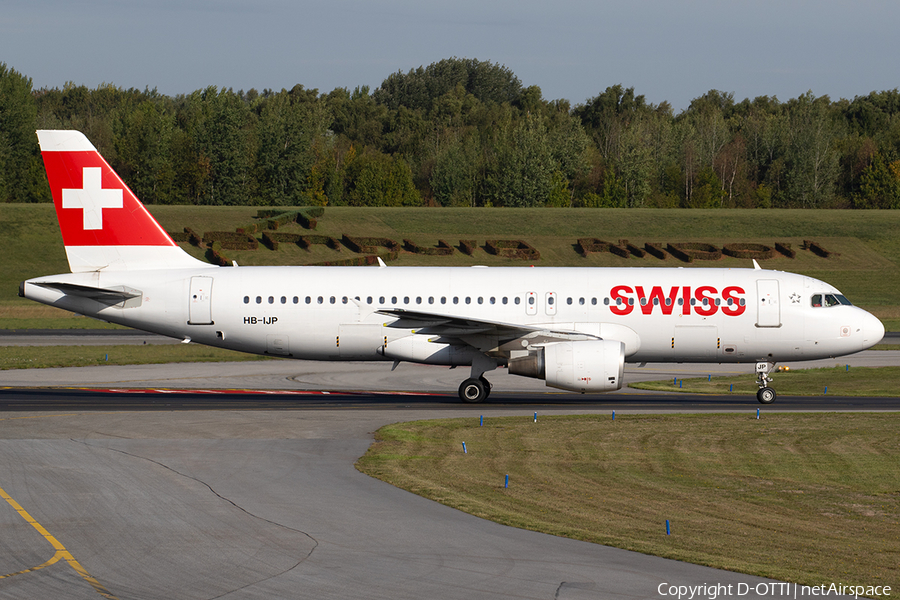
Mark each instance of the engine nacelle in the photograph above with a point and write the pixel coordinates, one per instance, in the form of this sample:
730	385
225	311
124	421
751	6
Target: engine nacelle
585	366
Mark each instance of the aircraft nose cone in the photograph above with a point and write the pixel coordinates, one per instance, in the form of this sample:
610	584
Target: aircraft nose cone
872	330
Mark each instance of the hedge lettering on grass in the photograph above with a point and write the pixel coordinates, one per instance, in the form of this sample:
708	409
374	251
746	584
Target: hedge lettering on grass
619	250
818	249
467	246
193	237
785	249
748	250
306	241
688	251
512	249
231	240
656	250
585	246
442	248
634	250
369	245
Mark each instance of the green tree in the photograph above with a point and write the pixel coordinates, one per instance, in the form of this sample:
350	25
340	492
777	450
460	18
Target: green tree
419	88
812	156
522	174
288	128
375	179
880	185
606	116
358	116
222	133
143	149
454	177
21	177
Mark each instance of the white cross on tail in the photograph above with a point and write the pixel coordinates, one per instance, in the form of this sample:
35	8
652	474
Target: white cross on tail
92	198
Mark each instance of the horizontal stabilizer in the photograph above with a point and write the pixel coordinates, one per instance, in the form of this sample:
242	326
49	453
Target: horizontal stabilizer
104	295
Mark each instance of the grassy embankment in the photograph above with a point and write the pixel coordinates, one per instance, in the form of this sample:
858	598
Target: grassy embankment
802	498
867	270
37	357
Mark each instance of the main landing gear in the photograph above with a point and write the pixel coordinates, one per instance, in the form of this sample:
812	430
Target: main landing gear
765	395
474	390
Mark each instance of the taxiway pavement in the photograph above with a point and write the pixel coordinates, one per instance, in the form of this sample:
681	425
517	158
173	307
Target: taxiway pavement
216	503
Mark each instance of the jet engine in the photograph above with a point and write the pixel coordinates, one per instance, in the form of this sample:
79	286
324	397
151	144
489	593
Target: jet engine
584	366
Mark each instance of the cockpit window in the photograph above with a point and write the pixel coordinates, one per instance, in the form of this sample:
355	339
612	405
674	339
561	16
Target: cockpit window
828	300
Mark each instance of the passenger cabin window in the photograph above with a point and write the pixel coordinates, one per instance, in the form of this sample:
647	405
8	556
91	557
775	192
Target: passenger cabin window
518	300
284	299
246	299
259	299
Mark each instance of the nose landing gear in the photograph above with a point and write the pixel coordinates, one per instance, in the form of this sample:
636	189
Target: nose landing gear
765	395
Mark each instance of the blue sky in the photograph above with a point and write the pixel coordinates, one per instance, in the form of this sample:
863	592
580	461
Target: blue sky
666	49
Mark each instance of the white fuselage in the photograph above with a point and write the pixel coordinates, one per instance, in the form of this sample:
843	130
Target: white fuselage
329	313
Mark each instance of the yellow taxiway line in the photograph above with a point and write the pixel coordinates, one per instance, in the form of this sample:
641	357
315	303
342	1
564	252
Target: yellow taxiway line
61	552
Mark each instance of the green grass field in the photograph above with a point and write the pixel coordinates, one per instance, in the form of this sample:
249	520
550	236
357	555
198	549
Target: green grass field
34	357
806	498
836	381
866	270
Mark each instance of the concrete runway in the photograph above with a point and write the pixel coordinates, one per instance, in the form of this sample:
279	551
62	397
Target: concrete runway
122	496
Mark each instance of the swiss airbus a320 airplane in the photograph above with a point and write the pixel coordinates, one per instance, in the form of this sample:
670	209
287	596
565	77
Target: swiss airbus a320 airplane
572	327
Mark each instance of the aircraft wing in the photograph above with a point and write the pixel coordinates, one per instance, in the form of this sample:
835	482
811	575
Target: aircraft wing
477	332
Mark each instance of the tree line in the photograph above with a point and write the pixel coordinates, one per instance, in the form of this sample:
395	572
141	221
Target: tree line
463	132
